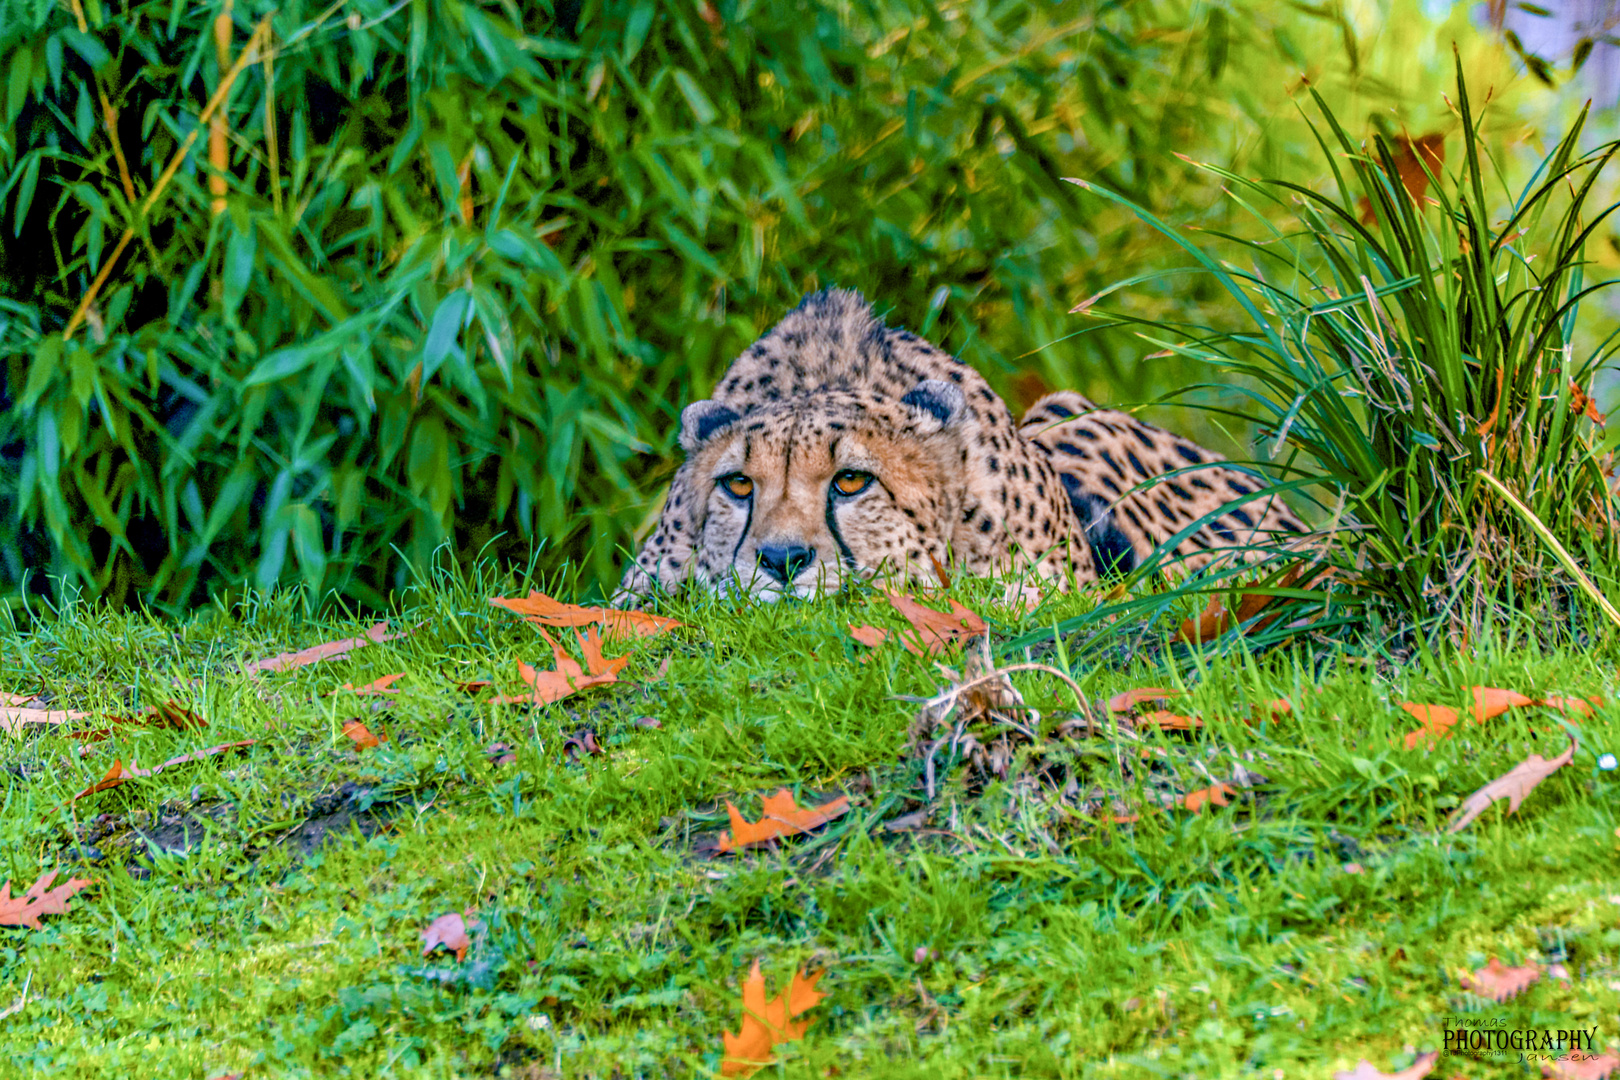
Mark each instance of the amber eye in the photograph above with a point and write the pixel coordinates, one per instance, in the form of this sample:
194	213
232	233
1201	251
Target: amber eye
851	482
739	485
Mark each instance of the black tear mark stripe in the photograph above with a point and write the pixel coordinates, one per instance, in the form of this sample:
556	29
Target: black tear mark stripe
838	537
748	522
742	538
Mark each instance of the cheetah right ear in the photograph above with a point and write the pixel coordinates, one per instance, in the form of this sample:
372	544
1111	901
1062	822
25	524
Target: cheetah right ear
700	420
936	400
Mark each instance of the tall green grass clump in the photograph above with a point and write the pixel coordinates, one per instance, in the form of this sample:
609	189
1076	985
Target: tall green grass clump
1413	351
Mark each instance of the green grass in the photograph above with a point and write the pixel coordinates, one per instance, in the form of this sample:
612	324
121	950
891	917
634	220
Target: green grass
1225	943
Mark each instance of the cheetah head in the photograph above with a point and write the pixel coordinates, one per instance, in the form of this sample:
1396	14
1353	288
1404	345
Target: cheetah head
799	497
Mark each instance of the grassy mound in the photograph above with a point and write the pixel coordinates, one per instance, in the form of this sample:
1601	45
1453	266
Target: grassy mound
262	911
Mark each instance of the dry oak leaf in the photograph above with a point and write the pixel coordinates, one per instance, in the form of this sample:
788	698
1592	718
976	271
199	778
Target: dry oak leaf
1406	153
1489	702
1169	721
1492	701
933	632
1215	794
568	677
324	651
870	636
1129	699
13	720
1215	620
8	698
1437	721
1279	708
1588	1067
40	899
384	685
1025	598
1501	983
119	773
781	817
1581	402
541	609
768	1022
451	932
1513	785
363	737
1364	1070
170	715
1572	704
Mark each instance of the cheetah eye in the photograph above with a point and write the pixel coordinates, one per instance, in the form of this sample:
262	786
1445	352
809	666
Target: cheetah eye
851	482
739	485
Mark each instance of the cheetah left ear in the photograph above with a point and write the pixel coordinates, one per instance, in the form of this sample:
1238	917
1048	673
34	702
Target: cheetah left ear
701	420
936	402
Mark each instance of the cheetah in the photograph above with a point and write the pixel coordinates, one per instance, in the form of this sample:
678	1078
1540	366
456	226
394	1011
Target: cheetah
837	449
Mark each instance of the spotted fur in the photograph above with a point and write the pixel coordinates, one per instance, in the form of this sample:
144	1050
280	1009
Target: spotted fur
766	498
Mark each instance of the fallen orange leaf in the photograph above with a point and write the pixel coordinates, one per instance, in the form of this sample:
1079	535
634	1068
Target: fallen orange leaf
1131	698
1169	721
1571	704
781	817
8	698
119	773
569	677
870	636
767	1022
383	685
1490	701
1215	620
1513	785
932	632
1215	794
40	899
539	608
13	720
451	932
1437	721
1280	707
1501	983
170	715
325	651
362	736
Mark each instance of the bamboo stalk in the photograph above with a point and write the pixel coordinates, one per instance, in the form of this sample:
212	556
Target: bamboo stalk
271	143
219	132
261	34
464	182
109	116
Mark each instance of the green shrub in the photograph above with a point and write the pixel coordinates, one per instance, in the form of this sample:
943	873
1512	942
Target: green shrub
464	282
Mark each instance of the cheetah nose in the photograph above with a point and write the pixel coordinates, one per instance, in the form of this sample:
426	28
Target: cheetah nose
784	561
